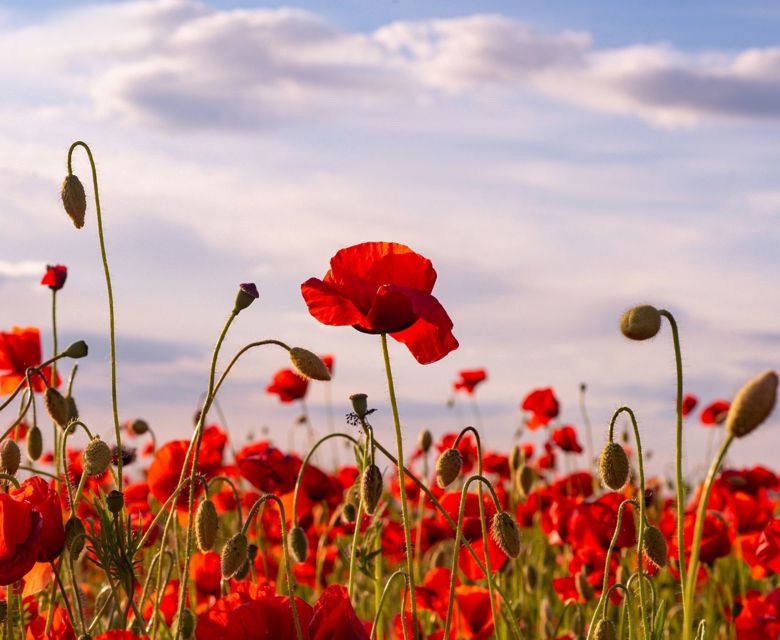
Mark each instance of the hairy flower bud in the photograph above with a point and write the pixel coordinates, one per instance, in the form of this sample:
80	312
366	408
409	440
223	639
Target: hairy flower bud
524	479
425	441
74	199
234	554
506	534
448	467
655	546
515	458
56	406
752	404
186	624
298	544
605	630
75	536
206	526
641	322
359	404
73	410
115	501
10	457
349	512
96	457
78	349
613	466
139	427
34	442
309	364
371	488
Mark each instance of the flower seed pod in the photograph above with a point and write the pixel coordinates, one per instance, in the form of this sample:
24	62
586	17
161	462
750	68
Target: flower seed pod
34	443
139	427
75	536
234	554
655	546
206	526
78	349
10	457
74	199
349	512
425	441
96	457
371	488
298	544
309	364
584	588
448	467
752	404
524	478
359	404
247	294
187	624
506	534
613	466
115	501
641	322
605	630
56	406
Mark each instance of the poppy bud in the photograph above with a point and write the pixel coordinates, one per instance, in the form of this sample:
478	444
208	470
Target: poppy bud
187	624
531	577
74	199
96	457
349	512
74	536
251	552
243	570
641	322
10	457
73	410
584	588
34	443
506	534
524	479
448	467
605	630
234	554
78	349
515	458
206	526
247	294
139	427
655	546
309	364
613	466
115	501
3	611
359	404
752	404
298	544
371	488
56	406
425	441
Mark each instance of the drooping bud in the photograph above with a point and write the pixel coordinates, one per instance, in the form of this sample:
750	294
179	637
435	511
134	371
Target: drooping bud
371	488
506	534
206	526
74	199
139	427
34	442
309	364
425	441
359	404
349	512
752	404
10	457
56	406
298	544
614	466
78	349
584	588
247	294
234	554
448	467
186	624
641	322
75	536
605	630
655	546
115	501
96	457
524	479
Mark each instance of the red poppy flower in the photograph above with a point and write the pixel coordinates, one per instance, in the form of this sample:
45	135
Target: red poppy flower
383	287
469	379
206	572
288	385
20	349
759	616
55	276
543	406
333	617
46	501
20	530
118	634
715	413
328	361
689	404
61	629
566	439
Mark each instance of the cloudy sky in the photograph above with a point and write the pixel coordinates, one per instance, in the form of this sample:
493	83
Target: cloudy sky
557	162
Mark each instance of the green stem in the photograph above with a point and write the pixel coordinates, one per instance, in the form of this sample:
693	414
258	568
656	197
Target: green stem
236	495
385	591
356	530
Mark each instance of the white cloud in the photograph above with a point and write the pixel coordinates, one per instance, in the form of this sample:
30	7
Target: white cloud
22	269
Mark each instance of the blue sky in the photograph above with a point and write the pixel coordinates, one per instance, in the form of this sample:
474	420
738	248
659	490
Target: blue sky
558	162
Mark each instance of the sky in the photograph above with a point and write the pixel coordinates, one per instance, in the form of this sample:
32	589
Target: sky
557	162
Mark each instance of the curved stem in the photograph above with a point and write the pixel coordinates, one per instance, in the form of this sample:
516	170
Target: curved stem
385	591
240	353
356	530
236	495
109	289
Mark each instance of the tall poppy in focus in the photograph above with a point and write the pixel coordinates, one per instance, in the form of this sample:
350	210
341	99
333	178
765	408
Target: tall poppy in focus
20	349
288	385
384	287
543	406
468	379
45	500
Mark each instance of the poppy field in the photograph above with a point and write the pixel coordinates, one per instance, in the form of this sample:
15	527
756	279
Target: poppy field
416	536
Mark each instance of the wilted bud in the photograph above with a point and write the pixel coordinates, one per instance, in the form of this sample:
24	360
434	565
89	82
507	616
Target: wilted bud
349	512
605	630
206	526
371	488
77	350
115	501
655	547
10	457
584	588
752	404
234	554
298	544
96	457
506	534
74	199
247	294
425	441
613	466
309	364
56	406
187	624
359	404
524	478
75	536
448	467
34	442
641	322
139	427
